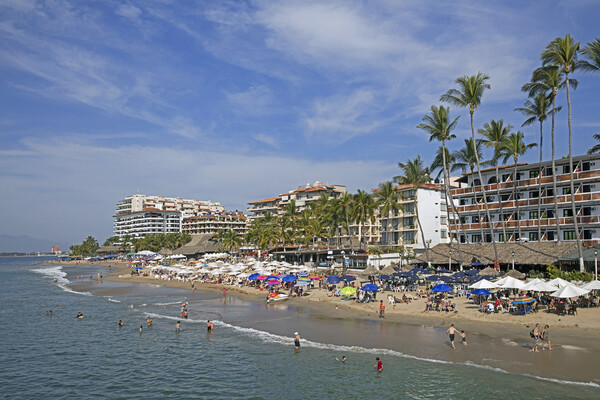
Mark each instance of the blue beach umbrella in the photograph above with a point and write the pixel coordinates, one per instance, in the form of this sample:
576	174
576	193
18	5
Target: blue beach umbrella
303	274
480	292
369	287
348	278
288	278
433	278
333	279
443	271
253	277
302	283
472	272
442	288
384	277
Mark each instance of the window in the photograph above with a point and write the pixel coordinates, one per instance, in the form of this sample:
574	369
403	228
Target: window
492	180
443	221
534	173
585	166
518	176
501	237
505	177
587	235
587	211
475	219
477	182
463	202
473	200
505	197
534	194
550	235
548	171
475	238
533	215
533	236
443	234
443	206
549	213
586	188
569	235
566	190
550	192
566	169
567	212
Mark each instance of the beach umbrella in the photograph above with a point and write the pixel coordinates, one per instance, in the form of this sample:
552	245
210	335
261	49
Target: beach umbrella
433	278
262	278
569	291
348	290
348	278
472	272
303	274
483	284
511	283
288	278
302	283
314	277
442	288
593	285
558	282
369	287
523	300
273	282
538	285
443	271
427	271
480	292
446	278
384	277
333	279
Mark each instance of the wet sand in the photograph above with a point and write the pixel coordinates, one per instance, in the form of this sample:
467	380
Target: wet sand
501	341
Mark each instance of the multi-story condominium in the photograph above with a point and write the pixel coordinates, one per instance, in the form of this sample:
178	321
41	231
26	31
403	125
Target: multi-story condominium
522	190
303	196
138	224
402	227
215	222
139	202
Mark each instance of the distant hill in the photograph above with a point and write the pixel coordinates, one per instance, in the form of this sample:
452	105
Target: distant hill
24	244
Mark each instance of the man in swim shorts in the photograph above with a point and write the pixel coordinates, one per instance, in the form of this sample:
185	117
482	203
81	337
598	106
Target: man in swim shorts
177	327
209	326
451	334
296	340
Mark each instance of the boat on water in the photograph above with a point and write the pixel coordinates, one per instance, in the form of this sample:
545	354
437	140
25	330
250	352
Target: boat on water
276	298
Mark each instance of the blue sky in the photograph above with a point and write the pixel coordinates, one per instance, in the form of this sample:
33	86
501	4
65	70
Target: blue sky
235	101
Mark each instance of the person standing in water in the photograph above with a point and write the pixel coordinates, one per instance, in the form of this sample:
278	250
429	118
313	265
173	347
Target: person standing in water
379	364
463	336
209	326
451	334
120	323
343	360
141	329
178	327
296	340
149	321
545	336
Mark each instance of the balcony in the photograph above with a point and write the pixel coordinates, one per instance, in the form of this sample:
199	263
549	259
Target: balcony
533	223
561	200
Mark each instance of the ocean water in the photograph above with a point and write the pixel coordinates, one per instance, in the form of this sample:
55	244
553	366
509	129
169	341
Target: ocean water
64	357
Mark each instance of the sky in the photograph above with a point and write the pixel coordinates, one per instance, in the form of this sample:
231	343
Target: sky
235	101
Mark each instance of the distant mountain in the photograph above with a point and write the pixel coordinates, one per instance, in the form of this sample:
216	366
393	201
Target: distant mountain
24	244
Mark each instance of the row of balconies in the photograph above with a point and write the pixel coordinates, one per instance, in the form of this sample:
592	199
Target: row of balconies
563	199
529	223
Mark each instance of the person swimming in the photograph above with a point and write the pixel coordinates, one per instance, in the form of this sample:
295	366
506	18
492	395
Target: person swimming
120	323
296	340
178	327
80	316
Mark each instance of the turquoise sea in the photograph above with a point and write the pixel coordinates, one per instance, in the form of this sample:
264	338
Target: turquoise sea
54	357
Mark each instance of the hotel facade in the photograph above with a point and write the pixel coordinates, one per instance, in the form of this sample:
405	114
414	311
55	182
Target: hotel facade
522	190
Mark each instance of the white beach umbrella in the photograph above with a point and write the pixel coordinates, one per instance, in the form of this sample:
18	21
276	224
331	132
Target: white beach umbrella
593	285
538	285
483	284
558	282
512	283
569	291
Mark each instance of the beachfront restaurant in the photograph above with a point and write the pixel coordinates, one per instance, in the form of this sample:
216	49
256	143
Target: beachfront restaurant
320	256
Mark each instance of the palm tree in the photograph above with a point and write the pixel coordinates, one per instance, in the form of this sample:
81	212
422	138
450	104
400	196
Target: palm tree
363	211
596	148
494	133
537	110
416	175
388	199
346	202
514	146
592	54
466	158
439	128
563	53
549	80
469	95
291	214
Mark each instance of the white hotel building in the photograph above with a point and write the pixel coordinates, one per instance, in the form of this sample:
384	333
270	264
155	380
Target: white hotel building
140	215
586	180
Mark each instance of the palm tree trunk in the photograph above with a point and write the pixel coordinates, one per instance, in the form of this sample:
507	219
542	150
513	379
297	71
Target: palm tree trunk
448	206
502	223
487	210
477	205
554	172
539	208
420	227
579	249
518	219
348	230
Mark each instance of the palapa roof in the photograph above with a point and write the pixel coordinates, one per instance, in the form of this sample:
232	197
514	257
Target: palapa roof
515	274
370	270
528	253
489	271
388	270
199	244
109	249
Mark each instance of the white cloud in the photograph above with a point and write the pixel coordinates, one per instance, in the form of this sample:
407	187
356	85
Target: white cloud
266	139
256	99
128	11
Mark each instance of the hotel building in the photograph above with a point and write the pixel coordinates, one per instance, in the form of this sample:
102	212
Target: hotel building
215	222
523	187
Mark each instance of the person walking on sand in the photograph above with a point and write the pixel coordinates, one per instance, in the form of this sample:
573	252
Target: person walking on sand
296	340
535	335
379	364
381	309
463	336
452	331
546	337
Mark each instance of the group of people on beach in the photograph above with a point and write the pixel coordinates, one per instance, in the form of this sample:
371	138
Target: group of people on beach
452	332
540	337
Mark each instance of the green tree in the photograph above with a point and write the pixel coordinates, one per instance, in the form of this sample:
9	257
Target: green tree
563	53
514	146
111	241
468	95
363	211
87	248
591	52
415	174
346	202
388	201
537	110
494	134
596	148
439	126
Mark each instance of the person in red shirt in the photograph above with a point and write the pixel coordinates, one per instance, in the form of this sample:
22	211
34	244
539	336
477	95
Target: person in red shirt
379	365
381	309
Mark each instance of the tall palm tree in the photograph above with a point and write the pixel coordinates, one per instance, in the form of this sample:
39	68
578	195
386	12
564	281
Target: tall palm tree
549	80
596	148
346	202
537	110
469	96
494	133
563	53
592	54
514	146
291	214
439	127
416	175
363	210
467	158
388	201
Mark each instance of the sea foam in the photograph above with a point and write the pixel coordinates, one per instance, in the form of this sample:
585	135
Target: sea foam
61	278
